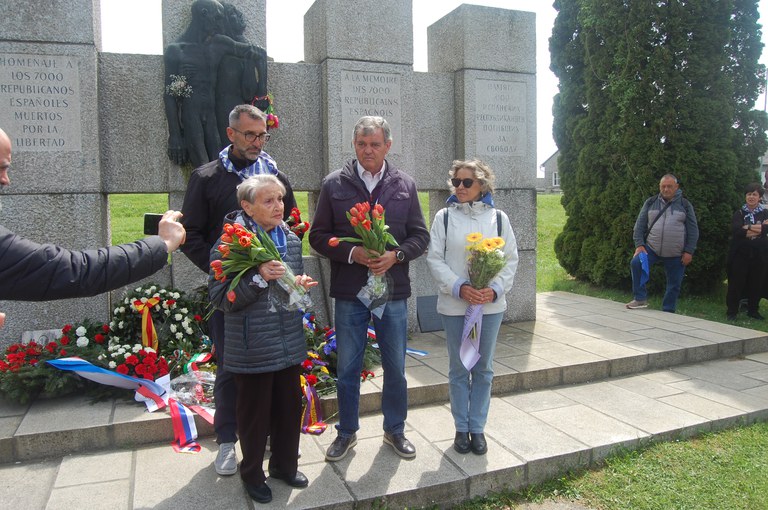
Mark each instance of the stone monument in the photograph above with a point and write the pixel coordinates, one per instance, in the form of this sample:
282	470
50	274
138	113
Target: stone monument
86	124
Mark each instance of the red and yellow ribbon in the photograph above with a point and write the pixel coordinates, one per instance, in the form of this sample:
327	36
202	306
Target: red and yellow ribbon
148	333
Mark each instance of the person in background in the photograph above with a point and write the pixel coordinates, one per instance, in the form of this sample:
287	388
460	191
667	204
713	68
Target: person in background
666	231
747	254
42	272
211	194
470	209
264	347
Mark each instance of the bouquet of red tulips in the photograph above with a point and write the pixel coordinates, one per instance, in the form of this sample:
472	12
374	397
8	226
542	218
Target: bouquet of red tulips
242	250
374	236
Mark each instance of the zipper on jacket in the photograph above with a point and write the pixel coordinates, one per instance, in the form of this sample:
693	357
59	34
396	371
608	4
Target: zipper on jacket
245	332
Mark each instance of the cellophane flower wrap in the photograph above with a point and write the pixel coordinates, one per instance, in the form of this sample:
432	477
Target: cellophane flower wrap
242	250
370	225
485	260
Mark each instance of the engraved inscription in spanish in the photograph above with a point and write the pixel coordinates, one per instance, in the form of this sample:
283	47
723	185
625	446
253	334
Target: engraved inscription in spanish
500	118
40	98
366	93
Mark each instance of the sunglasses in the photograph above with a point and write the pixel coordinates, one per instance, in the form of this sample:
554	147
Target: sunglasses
466	182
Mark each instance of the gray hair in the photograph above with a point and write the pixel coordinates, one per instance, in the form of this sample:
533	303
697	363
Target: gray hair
480	171
369	124
248	109
249	188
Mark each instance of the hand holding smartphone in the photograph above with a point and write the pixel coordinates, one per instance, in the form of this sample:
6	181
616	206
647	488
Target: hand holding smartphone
151	223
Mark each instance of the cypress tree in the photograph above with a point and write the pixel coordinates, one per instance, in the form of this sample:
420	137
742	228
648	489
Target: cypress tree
649	88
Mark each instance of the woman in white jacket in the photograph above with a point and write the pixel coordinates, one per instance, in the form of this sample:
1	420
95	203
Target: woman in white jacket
470	209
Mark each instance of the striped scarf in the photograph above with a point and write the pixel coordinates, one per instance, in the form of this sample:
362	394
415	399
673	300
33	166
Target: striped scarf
264	164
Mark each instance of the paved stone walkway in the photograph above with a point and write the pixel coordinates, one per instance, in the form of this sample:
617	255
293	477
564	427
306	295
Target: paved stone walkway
586	378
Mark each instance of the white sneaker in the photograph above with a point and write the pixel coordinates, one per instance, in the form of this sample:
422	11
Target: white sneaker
226	460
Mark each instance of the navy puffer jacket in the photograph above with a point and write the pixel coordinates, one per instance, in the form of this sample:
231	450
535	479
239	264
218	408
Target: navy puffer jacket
258	340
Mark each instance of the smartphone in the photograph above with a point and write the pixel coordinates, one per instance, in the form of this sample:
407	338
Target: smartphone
151	222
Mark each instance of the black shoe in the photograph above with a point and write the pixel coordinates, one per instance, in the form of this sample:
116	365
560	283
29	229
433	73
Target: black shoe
756	316
340	447
297	480
461	442
478	444
731	317
400	444
260	493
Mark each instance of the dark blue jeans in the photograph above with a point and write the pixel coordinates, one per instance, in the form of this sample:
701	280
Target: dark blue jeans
224	389
675	270
351	321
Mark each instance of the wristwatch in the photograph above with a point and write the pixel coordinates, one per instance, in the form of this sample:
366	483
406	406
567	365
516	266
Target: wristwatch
400	255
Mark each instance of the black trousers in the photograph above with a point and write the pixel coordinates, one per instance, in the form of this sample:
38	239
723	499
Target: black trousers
745	278
269	404
224	389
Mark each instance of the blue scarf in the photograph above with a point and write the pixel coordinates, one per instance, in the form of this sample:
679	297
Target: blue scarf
264	164
486	199
749	216
277	235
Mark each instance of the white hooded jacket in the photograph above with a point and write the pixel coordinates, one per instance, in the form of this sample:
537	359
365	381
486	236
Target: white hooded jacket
447	257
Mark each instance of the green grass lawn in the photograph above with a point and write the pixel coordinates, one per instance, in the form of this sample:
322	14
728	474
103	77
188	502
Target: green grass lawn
127	214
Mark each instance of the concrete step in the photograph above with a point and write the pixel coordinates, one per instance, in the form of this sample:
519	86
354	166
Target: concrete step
586	378
533	436
575	339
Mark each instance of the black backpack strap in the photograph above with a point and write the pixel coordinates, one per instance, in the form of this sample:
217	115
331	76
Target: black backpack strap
498	223
445	222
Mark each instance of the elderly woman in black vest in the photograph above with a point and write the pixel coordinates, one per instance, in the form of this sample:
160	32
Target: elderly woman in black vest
264	347
748	254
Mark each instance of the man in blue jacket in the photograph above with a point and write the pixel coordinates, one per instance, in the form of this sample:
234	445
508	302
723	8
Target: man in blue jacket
665	232
370	178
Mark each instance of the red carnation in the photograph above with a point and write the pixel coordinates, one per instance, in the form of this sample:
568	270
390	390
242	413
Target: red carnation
105	328
66	329
311	379
122	369
307	364
64	340
98	338
131	360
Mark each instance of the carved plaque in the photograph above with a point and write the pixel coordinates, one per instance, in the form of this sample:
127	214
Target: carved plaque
500	118
366	93
40	98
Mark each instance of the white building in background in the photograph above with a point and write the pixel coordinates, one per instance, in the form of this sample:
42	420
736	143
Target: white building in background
550	183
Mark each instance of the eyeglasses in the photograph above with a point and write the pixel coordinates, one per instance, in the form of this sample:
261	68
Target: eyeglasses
251	137
466	182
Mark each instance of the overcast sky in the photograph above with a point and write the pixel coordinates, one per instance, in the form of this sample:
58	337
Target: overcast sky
135	27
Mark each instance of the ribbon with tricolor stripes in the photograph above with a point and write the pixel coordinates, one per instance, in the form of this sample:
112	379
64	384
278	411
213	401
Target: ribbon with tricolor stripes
151	393
154	394
312	414
148	333
184	429
191	365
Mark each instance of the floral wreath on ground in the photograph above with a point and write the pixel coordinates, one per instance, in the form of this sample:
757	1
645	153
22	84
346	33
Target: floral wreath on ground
177	320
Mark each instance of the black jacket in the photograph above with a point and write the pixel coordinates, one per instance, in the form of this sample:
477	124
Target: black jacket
42	272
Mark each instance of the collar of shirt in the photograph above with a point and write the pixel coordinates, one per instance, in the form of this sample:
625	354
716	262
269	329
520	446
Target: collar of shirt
368	178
